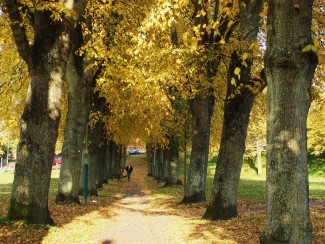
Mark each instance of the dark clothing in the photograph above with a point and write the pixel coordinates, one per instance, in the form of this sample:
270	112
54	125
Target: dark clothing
128	170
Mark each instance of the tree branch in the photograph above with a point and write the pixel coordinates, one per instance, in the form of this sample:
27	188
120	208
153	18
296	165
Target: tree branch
18	30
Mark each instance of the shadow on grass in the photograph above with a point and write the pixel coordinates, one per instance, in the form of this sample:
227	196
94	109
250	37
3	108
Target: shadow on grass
62	214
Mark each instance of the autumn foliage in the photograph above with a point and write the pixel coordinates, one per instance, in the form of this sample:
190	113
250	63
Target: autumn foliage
144	66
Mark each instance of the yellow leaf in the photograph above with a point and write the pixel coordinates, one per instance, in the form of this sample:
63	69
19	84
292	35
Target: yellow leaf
237	71
233	81
215	24
196	29
245	56
309	48
243	4
230	23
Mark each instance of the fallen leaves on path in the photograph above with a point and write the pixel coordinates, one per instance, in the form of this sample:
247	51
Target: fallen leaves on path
143	211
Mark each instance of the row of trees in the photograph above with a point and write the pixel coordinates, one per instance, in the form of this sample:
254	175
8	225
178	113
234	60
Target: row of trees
164	71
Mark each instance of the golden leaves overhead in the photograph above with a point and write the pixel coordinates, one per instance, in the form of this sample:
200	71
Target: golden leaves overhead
14	81
130	42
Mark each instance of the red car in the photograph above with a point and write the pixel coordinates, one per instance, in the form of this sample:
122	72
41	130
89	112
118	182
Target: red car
57	159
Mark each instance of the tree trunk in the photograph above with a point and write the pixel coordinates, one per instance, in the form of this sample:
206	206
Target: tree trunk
185	168
238	105
39	122
173	163
94	146
109	159
159	163
79	87
119	161
289	69
201	107
259	156
150	158
115	160
232	149
102	169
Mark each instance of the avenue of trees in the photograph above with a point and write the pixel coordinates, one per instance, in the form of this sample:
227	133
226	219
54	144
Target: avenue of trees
87	78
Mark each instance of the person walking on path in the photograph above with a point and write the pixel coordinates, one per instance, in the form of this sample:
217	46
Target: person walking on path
128	170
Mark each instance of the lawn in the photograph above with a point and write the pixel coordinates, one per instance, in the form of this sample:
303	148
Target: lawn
251	186
251	203
251	206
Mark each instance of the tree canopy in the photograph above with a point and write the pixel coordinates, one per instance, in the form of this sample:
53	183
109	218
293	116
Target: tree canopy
139	64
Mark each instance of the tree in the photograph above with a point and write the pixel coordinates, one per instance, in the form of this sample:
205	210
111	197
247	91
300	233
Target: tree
81	75
95	139
45	46
79	87
316	116
290	62
242	88
211	32
256	134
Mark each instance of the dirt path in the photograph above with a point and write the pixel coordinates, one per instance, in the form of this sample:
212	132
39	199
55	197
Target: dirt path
128	212
135	218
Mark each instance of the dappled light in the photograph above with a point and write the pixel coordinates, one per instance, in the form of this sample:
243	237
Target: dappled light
148	212
55	90
216	105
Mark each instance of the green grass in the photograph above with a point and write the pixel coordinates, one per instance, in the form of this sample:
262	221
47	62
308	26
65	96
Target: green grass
6	180
251	186
6	177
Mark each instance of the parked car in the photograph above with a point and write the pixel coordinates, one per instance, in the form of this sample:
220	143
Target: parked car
141	151
133	151
57	159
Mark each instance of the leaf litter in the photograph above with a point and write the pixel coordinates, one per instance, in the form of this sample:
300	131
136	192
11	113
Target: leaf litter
130	212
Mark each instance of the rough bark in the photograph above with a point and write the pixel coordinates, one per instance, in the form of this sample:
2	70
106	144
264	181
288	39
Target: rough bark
119	160
109	160
232	149
150	159
203	103
201	107
259	156
238	105
159	163
114	161
46	61
124	158
173	163
289	71
79	89
94	146
102	172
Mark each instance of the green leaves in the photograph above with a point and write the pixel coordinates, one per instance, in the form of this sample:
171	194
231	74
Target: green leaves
309	48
